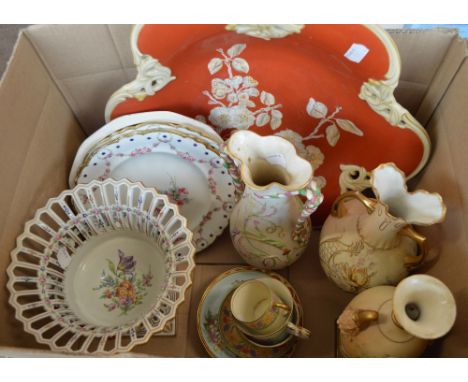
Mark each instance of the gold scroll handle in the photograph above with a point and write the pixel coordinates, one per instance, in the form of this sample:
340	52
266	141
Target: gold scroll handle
415	260
298	331
281	306
339	210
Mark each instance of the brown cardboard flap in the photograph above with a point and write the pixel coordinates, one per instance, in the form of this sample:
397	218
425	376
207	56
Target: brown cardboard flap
410	94
39	137
121	36
453	59
422	52
446	173
90	62
71	51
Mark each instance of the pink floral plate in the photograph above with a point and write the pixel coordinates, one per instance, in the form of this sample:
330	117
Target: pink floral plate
326	88
160	118
188	169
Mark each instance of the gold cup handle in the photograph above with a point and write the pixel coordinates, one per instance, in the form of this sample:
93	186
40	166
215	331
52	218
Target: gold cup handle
298	331
415	260
281	306
338	209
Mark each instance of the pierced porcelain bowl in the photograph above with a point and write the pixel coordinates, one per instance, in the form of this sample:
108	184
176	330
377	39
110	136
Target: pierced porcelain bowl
101	268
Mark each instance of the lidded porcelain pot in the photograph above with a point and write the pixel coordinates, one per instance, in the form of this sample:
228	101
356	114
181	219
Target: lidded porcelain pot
270	225
387	321
369	242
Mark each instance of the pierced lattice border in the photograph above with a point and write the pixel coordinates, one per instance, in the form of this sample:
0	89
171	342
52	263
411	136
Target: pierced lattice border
36	277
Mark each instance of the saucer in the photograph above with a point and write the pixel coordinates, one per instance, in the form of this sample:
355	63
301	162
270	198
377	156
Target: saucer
216	329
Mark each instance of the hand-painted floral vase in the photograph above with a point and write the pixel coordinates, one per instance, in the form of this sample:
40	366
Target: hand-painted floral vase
387	321
368	242
270	226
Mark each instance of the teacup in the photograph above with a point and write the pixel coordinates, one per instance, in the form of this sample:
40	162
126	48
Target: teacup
255	301
273	342
255	306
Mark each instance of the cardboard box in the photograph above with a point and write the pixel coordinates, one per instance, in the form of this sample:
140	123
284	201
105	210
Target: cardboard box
54	92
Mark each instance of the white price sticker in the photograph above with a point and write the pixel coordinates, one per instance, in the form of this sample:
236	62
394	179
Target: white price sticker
356	53
63	257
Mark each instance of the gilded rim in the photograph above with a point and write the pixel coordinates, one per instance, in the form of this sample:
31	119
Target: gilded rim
405	187
370	203
193	129
218	278
175	125
125	133
243	168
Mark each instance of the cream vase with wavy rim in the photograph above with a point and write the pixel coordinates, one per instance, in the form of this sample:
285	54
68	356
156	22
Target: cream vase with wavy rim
270	226
369	242
385	321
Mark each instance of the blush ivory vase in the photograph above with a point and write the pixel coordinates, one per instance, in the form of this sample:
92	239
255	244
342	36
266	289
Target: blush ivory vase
387	321
270	225
369	242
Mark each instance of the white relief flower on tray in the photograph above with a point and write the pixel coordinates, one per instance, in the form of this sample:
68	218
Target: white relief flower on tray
328	127
266	31
329	122
239	104
312	153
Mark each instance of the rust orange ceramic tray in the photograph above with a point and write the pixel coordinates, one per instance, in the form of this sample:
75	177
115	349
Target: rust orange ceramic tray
326	88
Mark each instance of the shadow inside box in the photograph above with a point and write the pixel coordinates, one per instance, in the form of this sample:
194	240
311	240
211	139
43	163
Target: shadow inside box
434	350
17	331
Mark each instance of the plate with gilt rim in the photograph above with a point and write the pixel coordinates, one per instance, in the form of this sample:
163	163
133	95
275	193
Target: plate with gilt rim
190	172
112	134
125	122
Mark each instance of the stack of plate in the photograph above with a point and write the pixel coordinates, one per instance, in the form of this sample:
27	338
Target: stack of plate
178	156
